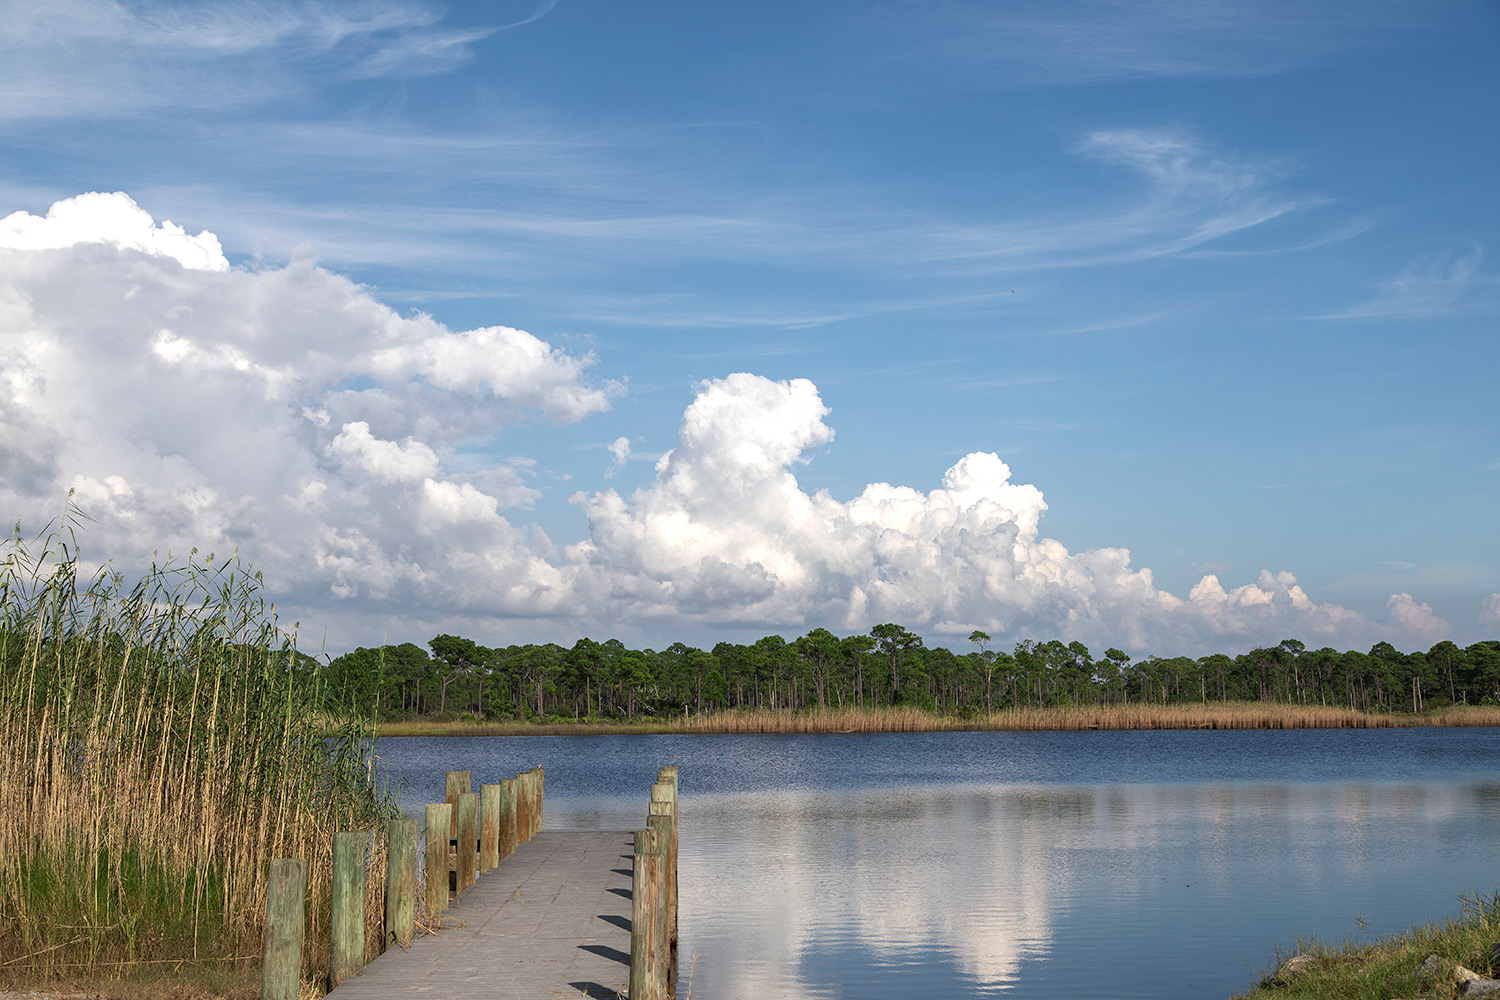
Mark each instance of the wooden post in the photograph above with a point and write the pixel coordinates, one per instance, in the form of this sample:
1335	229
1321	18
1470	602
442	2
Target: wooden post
281	950
523	808
458	784
541	796
347	925
489	827
648	971
666	778
662	824
667	812
468	839
438	821
400	882
508	838
530	824
666	793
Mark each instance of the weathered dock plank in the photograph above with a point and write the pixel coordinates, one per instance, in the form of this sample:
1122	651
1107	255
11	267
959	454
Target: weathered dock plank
553	920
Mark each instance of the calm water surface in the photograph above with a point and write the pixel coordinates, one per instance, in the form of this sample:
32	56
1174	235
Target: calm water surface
1153	865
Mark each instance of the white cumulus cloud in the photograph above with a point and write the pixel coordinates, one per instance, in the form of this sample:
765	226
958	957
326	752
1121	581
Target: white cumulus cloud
386	460
283	412
726	533
1415	618
619	450
1489	612
287	413
114	219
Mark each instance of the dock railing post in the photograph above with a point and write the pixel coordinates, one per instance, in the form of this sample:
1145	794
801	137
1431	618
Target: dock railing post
541	795
665	792
438	822
523	808
661	822
457	784
468	839
400	882
648	980
347	924
530	808
281	949
508	838
489	827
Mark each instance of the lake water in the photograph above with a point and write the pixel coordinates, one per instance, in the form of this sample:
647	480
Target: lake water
1152	865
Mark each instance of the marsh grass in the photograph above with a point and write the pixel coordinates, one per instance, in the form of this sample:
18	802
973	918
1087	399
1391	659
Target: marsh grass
1393	966
156	752
1208	715
1223	715
897	719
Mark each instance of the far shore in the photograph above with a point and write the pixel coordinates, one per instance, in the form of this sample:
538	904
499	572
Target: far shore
1229	715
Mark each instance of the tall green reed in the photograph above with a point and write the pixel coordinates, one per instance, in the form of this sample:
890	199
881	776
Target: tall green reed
158	746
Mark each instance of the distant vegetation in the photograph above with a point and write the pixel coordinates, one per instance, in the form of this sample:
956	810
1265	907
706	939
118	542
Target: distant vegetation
158	746
890	667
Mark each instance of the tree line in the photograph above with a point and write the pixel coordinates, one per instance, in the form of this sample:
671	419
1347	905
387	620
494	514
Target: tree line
454	677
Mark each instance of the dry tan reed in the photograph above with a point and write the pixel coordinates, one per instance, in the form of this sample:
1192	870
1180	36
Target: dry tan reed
1225	715
899	719
1231	715
1464	715
155	754
1209	715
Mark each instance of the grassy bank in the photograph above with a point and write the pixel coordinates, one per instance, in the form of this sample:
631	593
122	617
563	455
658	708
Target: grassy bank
1226	715
154	756
1397	966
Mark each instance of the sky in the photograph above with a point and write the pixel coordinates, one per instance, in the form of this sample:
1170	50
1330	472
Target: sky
1169	325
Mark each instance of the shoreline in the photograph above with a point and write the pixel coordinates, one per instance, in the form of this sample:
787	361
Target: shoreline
1432	959
1122	718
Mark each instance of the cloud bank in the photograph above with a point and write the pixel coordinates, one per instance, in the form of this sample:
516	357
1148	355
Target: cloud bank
287	413
726	535
284	412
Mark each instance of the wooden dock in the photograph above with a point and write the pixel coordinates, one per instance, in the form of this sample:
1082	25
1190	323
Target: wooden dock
553	920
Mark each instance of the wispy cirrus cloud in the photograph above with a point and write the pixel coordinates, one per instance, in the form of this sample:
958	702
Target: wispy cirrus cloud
602	205
1046	44
1446	284
76	58
1193	196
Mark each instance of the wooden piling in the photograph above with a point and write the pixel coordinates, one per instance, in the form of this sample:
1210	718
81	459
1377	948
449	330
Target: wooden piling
663	909
508	838
536	805
400	882
668	776
438	823
667	813
468	839
532	805
347	924
489	827
457	784
523	807
281	950
665	792
648	969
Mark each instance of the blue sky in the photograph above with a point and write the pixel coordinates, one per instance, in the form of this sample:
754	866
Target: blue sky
1217	279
